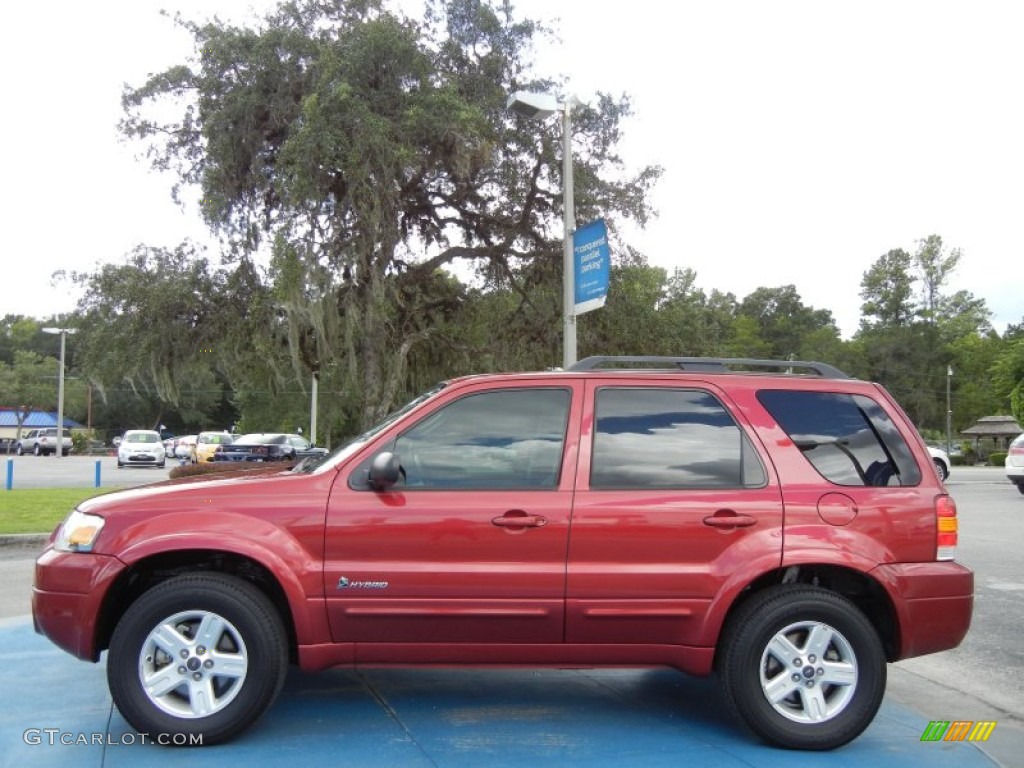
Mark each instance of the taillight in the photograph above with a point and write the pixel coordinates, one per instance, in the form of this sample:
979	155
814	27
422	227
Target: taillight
948	528
1017	450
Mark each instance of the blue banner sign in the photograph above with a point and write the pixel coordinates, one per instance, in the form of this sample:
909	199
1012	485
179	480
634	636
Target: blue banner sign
591	266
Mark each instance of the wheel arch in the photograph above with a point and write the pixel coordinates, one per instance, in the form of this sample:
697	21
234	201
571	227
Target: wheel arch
146	573
860	588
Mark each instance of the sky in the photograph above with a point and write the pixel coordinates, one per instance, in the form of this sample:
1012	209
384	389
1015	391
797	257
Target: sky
800	139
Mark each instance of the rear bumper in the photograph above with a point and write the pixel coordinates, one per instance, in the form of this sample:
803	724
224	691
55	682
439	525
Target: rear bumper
67	598
933	603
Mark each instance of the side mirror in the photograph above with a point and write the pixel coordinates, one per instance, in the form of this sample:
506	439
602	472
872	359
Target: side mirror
385	471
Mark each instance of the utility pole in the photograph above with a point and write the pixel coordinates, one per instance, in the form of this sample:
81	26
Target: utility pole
949	410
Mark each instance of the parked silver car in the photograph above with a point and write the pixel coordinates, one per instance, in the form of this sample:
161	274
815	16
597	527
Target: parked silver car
43	442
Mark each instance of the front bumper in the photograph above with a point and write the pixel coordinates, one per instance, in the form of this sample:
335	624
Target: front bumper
934	603
142	458
67	598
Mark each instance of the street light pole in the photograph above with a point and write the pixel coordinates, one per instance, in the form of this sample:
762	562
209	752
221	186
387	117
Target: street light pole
64	332
540	106
949	409
312	410
568	267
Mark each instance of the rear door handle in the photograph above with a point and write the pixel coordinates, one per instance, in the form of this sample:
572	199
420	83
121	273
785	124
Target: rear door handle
727	520
519	519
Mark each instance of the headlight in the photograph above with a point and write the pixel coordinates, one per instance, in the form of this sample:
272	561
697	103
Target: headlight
79	532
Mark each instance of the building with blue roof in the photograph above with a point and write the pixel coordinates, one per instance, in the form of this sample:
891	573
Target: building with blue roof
35	420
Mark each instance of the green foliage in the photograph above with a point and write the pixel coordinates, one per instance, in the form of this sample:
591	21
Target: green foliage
913	331
369	150
1007	370
29	383
165	327
997	458
364	159
887	290
222	469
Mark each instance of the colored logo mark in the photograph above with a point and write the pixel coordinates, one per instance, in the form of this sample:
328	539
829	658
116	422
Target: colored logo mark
958	730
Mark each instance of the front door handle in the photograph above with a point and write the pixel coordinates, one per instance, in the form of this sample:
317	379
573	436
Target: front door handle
727	520
516	518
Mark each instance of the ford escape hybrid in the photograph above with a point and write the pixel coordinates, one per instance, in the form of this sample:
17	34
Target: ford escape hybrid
777	523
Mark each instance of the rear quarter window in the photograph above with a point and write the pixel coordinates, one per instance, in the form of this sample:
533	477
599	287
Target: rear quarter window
849	439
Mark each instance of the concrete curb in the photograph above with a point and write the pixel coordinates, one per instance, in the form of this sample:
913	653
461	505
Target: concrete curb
30	541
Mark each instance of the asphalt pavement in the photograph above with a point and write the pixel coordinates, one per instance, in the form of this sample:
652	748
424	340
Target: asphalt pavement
23	472
58	713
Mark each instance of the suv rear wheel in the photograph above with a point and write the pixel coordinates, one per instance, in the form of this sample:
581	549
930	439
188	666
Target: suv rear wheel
803	667
198	655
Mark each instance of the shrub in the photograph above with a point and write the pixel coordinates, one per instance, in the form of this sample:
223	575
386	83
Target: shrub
220	467
997	458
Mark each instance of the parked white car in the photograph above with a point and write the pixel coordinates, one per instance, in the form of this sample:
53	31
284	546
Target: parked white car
1015	462
141	447
941	460
183	447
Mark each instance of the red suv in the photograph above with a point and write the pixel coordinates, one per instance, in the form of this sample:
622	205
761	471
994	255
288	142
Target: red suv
776	522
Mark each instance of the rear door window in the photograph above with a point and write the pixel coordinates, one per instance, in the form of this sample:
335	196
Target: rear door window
669	438
849	439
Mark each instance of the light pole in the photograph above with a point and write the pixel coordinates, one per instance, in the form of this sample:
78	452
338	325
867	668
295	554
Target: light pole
949	409
64	333
540	106
312	409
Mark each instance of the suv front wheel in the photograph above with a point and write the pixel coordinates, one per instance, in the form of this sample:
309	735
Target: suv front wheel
803	667
198	655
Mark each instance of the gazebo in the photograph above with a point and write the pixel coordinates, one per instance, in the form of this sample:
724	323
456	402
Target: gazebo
999	429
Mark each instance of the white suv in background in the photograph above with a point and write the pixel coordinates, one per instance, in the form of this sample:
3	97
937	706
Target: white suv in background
43	442
1015	462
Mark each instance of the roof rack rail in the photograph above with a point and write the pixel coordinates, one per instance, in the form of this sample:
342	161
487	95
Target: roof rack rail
713	365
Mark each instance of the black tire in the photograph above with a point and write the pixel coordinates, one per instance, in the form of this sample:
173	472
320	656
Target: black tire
846	680
250	648
940	467
20	450
1021	487
37	451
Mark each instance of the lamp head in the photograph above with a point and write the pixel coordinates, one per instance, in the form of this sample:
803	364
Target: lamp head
536	106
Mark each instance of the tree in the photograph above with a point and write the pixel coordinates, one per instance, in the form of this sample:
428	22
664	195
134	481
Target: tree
1008	375
934	268
164	325
914	330
28	384
782	321
365	151
887	289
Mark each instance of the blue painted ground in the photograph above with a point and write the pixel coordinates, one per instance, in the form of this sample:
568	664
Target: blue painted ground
435	719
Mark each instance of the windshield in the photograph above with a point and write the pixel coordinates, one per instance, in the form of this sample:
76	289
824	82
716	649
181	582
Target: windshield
345	450
260	438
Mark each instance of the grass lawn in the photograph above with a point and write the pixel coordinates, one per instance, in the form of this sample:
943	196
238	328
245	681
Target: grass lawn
38	510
